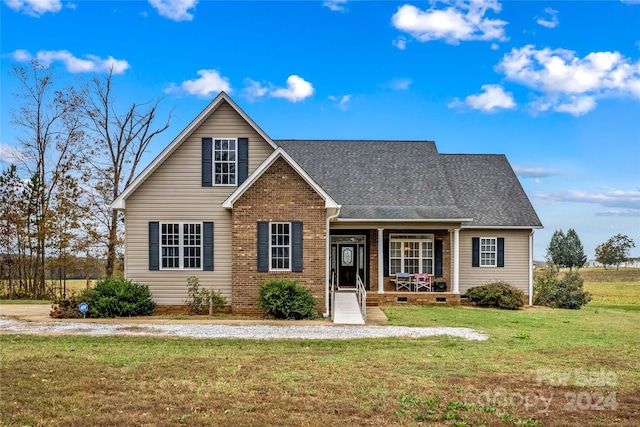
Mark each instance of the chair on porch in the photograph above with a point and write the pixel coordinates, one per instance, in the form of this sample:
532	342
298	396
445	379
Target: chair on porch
402	280
422	281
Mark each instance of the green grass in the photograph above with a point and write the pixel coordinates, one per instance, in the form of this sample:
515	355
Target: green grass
538	353
25	301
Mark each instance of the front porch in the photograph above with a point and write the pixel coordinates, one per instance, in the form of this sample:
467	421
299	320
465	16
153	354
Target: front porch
375	255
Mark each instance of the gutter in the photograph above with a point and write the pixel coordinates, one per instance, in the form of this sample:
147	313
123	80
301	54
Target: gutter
531	267
327	312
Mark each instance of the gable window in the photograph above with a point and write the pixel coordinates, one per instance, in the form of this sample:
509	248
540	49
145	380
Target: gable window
280	246
411	253
180	246
224	161
488	250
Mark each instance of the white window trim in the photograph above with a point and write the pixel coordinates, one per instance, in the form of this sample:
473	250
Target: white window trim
271	224
213	161
480	252
181	245
403	238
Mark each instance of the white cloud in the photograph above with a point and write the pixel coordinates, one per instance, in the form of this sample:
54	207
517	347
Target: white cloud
335	5
493	98
297	89
634	213
626	199
533	172
253	90
400	43
451	23
630	1
73	64
35	8
550	20
176	10
207	85
402	83
10	154
495	46
568	83
342	101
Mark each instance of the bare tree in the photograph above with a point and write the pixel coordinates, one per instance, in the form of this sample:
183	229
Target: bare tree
121	139
51	133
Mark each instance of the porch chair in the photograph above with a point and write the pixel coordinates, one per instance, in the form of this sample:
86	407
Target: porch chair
402	280
422	281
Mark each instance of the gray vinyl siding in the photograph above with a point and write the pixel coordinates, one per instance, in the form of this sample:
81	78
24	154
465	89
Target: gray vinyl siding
516	260
174	192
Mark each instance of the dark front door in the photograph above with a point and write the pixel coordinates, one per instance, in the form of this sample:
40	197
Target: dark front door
348	264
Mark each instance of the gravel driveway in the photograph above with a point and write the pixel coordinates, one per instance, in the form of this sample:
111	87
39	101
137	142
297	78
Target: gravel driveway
35	320
11	326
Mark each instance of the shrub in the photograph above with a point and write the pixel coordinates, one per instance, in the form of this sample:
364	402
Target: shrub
286	299
109	298
497	294
567	292
198	299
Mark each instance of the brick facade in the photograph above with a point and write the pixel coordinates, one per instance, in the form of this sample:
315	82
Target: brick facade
279	195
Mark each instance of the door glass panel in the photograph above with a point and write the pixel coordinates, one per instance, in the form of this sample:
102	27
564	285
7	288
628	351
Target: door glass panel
347	257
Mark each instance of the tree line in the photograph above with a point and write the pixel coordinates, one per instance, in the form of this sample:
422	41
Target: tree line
77	150
566	250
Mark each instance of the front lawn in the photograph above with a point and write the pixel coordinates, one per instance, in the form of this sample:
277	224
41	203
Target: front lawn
540	367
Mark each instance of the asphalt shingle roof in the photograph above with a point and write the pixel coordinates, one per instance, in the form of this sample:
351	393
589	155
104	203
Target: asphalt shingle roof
411	180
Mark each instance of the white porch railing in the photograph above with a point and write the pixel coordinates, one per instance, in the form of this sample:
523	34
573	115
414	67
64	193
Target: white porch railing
361	295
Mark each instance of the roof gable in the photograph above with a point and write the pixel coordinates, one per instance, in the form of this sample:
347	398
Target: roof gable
278	153
222	97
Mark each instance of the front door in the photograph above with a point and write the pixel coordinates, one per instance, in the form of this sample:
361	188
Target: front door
348	265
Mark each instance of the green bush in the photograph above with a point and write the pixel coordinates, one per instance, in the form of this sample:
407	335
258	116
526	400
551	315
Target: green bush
497	294
567	292
109	298
198	299
286	299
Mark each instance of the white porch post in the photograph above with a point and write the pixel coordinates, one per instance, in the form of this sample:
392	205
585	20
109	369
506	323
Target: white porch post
456	261
380	261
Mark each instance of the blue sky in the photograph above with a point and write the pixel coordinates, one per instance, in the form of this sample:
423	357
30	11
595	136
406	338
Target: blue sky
553	85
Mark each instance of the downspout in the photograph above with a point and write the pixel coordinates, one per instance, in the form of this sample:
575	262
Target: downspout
327	312
531	267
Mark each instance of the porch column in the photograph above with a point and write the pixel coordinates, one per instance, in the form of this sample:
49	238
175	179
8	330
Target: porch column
456	261
380	261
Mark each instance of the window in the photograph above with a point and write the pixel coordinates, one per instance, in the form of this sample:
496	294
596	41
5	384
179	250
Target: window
181	246
411	254
224	161
488	251
280	247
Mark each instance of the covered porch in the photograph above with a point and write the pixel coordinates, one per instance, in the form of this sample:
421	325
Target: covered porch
378	254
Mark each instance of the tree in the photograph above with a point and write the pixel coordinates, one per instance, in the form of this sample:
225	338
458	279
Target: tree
120	140
556	249
566	250
574	250
615	251
50	139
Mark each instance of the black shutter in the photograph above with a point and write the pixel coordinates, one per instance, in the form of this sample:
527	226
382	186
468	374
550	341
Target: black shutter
263	246
207	162
437	268
243	159
207	246
475	252
500	260
385	257
154	245
296	246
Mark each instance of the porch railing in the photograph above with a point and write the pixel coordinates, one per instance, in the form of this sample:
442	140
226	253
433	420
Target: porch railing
333	300
361	295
